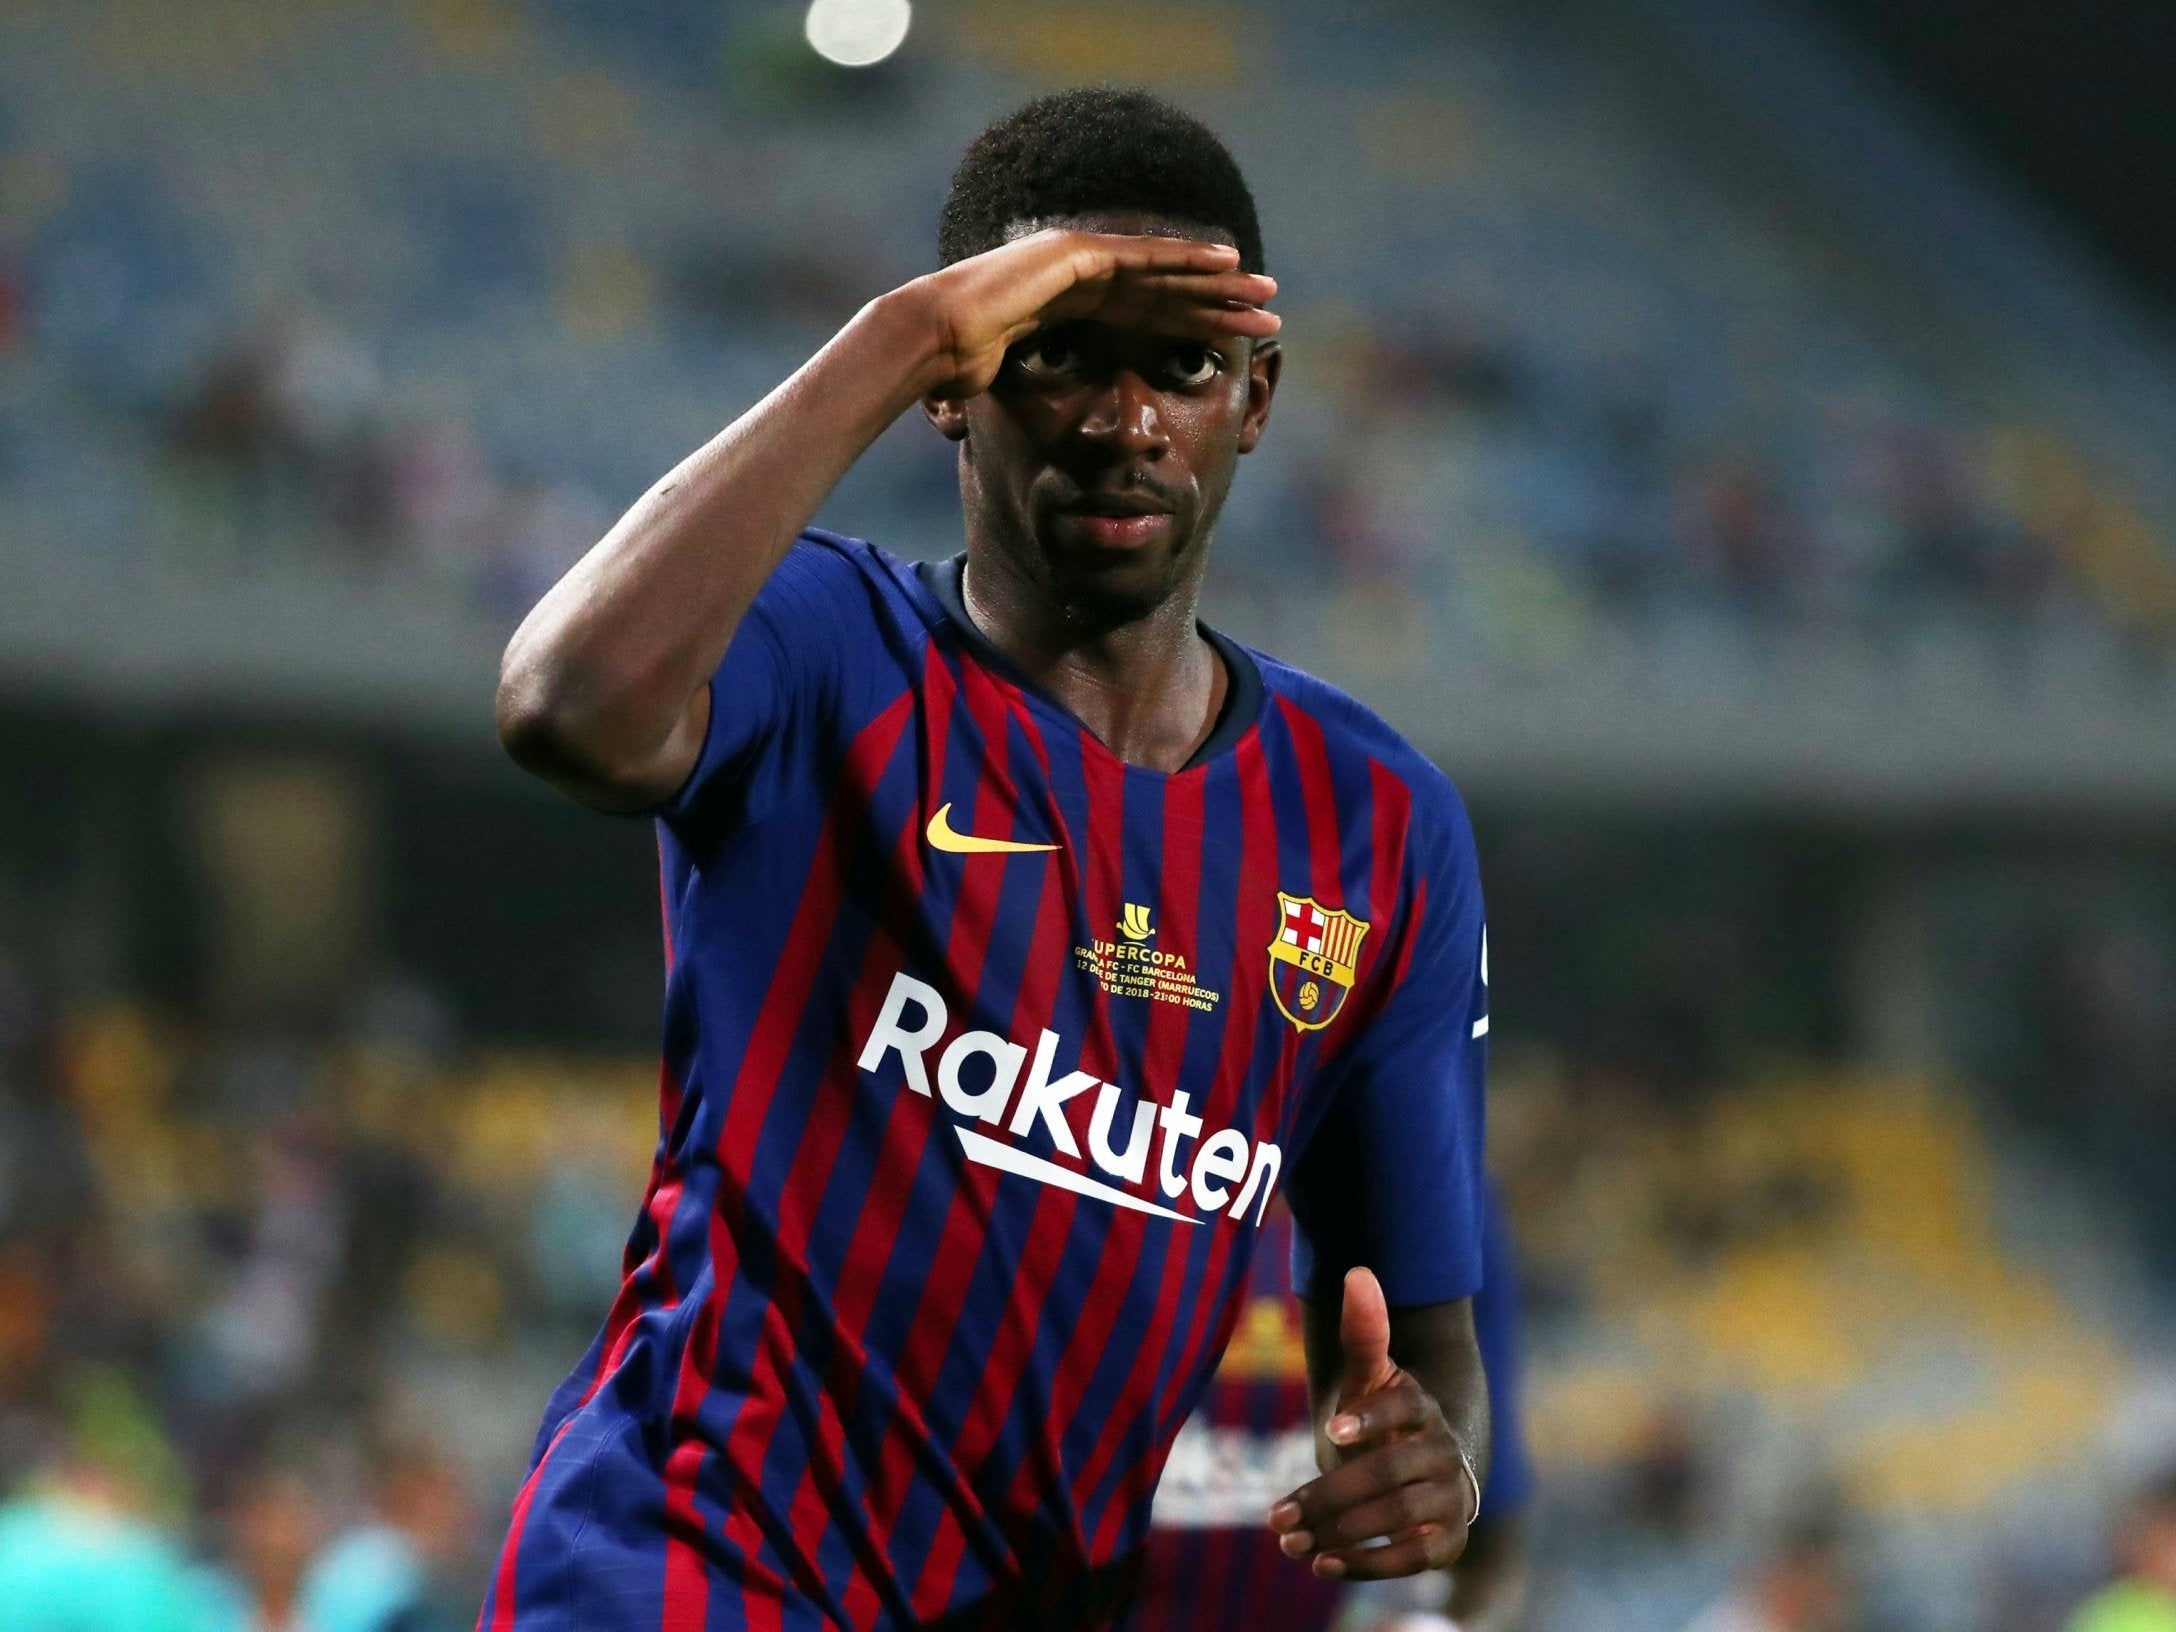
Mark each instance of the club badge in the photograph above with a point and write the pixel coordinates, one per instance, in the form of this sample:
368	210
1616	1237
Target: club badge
1313	959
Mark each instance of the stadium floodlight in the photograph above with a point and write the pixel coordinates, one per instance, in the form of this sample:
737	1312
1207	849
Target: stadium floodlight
856	33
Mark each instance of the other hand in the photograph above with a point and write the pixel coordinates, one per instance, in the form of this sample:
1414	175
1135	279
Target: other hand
1396	1495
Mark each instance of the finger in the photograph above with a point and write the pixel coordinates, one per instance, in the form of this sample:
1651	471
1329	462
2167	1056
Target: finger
1251	321
1171	301
1363	1333
1404	1407
1385	1517
1433	1547
1059	273
1136	251
1185	320
1207	323
1366	1477
1233	288
1097	257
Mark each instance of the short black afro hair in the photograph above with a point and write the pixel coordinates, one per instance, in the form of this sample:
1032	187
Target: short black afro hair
1076	152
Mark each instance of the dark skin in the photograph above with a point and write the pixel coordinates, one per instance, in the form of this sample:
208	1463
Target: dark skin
1102	377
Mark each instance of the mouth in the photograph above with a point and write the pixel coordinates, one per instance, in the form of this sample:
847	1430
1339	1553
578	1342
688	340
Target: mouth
1117	505
1117	521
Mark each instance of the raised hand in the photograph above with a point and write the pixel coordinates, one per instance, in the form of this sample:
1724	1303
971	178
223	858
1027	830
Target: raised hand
982	306
1397	1492
602	690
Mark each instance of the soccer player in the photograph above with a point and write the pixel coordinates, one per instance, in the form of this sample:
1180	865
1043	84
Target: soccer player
1025	936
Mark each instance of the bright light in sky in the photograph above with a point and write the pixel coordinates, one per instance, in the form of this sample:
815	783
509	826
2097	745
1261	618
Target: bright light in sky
855	33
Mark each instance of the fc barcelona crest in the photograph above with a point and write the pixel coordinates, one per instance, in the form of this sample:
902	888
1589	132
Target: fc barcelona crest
1312	960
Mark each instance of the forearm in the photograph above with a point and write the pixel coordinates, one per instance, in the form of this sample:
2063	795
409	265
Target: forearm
1439	1348
598	687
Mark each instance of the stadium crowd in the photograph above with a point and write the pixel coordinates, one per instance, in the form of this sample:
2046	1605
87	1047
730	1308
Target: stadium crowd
1456	468
1524	423
202	1269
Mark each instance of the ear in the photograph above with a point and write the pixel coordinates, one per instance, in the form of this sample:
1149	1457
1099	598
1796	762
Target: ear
949	415
1265	366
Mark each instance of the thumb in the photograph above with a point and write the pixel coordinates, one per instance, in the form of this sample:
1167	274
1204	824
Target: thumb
1363	1333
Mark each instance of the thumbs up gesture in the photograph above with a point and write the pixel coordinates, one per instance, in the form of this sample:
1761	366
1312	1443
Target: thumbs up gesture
1397	1491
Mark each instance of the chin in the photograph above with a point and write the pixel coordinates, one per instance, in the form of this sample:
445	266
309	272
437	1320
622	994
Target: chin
1110	587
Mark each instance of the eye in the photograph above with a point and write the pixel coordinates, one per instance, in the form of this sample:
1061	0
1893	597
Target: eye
1193	365
1046	355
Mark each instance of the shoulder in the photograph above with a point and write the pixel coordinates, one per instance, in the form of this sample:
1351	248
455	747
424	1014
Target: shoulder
826	575
848	620
1356	735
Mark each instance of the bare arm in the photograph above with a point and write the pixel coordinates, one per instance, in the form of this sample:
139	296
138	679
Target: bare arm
602	690
1397	1398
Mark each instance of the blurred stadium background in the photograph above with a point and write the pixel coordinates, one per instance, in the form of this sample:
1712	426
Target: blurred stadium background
1757	497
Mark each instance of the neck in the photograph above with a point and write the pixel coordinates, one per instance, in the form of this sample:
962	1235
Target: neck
1150	688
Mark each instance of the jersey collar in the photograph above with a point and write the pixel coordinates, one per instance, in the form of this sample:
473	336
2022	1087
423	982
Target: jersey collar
1242	696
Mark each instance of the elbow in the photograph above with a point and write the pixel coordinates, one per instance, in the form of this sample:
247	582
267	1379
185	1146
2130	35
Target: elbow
570	729
544	724
536	719
531	729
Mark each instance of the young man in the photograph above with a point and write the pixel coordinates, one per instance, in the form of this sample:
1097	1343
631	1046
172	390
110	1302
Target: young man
1024	936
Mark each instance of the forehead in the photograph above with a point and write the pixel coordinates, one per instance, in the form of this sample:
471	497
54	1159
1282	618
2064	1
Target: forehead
1128	223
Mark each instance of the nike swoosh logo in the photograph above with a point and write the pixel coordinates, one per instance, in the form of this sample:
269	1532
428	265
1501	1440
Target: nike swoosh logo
1007	1159
942	837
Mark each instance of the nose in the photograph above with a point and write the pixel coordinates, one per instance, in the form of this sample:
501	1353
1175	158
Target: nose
1124	417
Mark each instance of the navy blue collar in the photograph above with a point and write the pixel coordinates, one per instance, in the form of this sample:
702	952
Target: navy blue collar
1242	697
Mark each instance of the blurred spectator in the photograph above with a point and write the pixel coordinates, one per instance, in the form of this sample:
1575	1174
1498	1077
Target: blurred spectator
262	1335
272	1528
1665	1477
1355	520
1738	538
77	1554
1805	1584
399	1570
44	1169
229	418
293	418
2143	1598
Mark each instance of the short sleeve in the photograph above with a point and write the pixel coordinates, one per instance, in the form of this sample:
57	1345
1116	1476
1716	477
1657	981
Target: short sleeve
1497	1318
1392	1177
774	693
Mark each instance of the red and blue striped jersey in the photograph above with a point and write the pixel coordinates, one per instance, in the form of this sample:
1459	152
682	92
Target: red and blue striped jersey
984	1055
